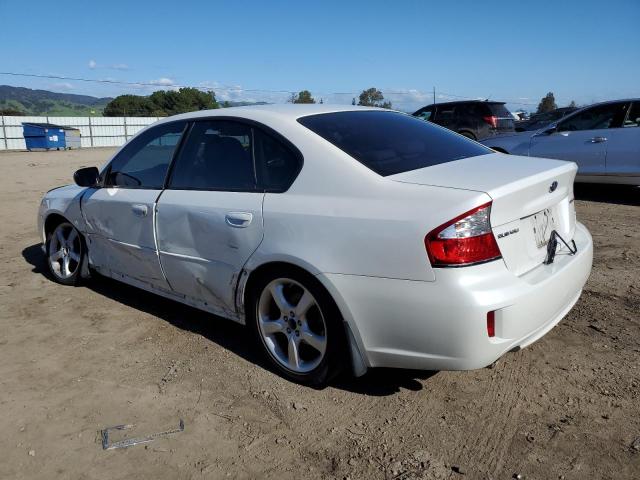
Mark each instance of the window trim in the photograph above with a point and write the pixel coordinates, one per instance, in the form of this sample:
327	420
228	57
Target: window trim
107	170
252	124
566	118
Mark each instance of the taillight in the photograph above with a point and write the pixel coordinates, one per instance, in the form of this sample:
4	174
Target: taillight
491	120
465	240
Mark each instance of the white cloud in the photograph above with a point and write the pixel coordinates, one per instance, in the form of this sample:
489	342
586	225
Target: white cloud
62	86
115	66
163	82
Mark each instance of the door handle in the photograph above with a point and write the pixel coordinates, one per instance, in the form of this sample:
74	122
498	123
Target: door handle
598	139
238	219
140	210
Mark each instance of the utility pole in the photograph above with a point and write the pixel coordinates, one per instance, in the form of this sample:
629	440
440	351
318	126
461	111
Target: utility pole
434	95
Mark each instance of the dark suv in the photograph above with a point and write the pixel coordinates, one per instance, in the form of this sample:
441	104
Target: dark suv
475	119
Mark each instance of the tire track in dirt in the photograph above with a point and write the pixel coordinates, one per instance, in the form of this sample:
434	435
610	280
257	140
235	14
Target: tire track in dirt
484	446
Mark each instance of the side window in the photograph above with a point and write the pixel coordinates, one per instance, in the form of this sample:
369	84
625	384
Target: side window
425	114
633	119
477	111
446	114
598	117
277	165
143	163
217	155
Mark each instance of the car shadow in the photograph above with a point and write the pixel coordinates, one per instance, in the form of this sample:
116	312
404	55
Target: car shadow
606	193
227	334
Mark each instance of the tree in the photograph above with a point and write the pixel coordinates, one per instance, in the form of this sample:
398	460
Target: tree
128	106
184	100
161	103
303	97
547	104
353	102
11	112
573	104
372	97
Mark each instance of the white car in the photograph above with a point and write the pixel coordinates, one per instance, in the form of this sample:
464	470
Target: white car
344	237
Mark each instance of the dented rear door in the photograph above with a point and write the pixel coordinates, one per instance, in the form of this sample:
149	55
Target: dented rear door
204	240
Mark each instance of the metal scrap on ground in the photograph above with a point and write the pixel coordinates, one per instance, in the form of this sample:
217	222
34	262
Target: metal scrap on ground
129	442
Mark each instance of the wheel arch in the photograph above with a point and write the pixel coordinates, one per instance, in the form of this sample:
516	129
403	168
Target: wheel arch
248	279
467	133
52	220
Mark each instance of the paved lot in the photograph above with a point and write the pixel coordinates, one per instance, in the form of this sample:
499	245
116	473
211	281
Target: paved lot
73	360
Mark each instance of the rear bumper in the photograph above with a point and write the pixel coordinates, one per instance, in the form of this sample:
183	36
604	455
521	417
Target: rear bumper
441	325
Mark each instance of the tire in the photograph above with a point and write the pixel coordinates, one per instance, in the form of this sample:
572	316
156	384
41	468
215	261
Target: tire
468	135
297	326
65	253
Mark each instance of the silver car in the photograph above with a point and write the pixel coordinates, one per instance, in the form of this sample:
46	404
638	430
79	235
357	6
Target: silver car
603	139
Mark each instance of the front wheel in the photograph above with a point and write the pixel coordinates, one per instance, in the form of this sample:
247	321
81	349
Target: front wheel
65	253
298	326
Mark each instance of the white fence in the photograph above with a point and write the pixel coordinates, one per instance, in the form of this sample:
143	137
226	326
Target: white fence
94	131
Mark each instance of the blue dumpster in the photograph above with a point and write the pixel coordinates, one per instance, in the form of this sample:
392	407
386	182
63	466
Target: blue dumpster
43	135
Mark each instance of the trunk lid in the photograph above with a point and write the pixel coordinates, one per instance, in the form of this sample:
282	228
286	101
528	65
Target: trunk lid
531	197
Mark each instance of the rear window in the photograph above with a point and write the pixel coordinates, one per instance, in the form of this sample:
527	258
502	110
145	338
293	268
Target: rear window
499	110
389	142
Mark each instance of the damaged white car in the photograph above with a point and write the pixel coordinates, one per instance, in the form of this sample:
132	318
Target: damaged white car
344	237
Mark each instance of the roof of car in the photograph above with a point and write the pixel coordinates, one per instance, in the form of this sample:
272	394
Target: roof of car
284	111
459	102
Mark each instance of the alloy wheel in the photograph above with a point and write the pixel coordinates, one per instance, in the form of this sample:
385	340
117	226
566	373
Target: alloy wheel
64	251
291	325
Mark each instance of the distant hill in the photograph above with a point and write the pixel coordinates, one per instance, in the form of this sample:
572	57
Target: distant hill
44	102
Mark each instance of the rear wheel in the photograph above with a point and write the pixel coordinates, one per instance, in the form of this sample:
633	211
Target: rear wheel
298	326
65	253
468	135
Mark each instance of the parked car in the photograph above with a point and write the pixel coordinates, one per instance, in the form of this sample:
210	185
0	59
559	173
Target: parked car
474	119
540	120
341	236
602	139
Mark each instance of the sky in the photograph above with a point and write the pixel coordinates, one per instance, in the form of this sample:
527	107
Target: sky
512	51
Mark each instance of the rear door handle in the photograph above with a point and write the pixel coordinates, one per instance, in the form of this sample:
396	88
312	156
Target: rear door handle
140	210
598	139
238	219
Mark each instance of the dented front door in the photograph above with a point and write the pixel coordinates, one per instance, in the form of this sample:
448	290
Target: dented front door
120	227
204	240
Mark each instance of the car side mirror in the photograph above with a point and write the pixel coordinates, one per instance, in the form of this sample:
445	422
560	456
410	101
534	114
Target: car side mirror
86	177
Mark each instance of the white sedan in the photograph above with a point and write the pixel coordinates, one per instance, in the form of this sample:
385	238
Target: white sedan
343	237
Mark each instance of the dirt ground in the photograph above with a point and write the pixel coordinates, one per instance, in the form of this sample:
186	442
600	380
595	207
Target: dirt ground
74	360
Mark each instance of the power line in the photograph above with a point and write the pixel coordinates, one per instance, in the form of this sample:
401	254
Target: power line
227	88
144	84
